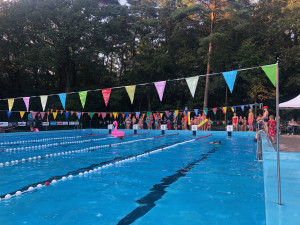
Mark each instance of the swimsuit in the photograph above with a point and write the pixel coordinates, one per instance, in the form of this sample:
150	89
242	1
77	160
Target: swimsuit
250	121
235	120
266	120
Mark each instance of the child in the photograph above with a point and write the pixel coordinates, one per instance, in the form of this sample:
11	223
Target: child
272	128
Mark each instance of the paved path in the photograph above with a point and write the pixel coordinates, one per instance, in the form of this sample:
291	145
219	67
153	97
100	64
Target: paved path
289	143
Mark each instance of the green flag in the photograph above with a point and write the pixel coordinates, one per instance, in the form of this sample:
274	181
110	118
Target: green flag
91	115
271	73
82	96
206	111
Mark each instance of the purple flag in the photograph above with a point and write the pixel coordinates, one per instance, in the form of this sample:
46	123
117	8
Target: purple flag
26	101
160	87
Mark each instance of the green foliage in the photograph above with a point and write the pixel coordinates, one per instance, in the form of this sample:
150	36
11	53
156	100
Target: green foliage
54	46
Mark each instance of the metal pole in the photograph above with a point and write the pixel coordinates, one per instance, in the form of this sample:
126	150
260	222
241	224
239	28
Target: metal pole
277	133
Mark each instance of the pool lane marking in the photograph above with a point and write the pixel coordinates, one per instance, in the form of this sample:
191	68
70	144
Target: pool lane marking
203	137
87	170
80	172
34	158
157	191
39	147
167	135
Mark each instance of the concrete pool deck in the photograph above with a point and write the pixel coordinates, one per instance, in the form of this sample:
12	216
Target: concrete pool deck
289	212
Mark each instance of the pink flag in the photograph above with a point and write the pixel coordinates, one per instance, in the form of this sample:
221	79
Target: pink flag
33	114
106	94
103	115
167	113
215	110
160	87
42	114
26	101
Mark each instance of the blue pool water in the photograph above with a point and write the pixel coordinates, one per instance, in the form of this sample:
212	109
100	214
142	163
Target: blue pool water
186	181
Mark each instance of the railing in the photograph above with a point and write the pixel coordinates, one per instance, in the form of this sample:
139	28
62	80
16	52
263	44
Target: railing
259	154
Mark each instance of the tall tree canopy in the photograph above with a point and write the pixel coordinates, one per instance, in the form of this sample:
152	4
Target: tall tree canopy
54	46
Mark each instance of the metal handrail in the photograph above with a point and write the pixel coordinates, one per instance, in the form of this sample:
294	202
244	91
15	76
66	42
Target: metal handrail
259	155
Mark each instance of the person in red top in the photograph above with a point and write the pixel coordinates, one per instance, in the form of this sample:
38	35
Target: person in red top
272	128
234	121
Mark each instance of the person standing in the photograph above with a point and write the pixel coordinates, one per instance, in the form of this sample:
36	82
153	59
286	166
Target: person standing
265	117
250	120
30	120
245	124
272	128
241	123
39	121
235	122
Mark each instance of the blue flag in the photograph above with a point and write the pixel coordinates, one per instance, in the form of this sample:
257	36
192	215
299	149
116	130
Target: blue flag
234	107
8	113
126	114
137	114
196	111
230	79
63	99
67	115
78	115
251	106
258	104
242	107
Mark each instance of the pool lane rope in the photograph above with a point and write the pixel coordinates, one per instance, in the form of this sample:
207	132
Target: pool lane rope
38	147
48	139
92	169
35	158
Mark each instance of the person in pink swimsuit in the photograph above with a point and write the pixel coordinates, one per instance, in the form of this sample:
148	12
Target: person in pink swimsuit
250	120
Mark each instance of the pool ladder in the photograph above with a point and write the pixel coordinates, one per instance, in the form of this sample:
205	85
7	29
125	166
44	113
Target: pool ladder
259	155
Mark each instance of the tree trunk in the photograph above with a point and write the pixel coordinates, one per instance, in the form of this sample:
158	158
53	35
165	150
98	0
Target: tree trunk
212	20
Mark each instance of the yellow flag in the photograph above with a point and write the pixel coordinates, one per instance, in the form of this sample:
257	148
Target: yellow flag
176	112
189	117
224	109
115	115
130	90
22	114
161	115
223	122
232	109
10	103
54	115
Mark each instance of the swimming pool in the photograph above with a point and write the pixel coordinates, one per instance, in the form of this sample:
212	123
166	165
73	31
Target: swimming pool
143	179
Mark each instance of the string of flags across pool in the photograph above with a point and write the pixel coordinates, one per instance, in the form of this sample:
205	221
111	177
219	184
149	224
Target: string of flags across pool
116	115
230	77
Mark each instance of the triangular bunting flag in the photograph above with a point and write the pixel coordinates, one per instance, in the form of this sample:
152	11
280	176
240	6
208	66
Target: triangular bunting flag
91	115
61	112
67	115
62	98
137	114
126	114
54	115
115	115
224	109
196	111
243	107
234	108
230	79
180	113
103	115
72	113
206	111
271	73
192	84
161	115
176	112
26	101
44	99
261	106
123	115
82	96
22	114
130	90
148	114
43	114
167	113
258	104
8	113
251	106
106	94
111	115
33	114
160	87
10	103
215	110
78	115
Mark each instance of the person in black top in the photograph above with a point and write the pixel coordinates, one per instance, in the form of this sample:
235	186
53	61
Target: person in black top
39	121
